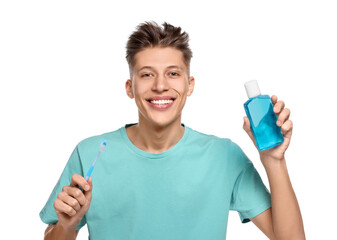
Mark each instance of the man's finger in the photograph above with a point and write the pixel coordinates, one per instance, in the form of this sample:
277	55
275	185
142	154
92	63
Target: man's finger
283	117
246	127
278	107
88	194
76	193
78	180
274	99
287	127
61	207
72	202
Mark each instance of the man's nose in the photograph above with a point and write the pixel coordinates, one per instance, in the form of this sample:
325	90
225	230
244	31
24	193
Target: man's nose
160	84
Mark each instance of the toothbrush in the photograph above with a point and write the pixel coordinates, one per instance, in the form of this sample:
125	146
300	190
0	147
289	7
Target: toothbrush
101	148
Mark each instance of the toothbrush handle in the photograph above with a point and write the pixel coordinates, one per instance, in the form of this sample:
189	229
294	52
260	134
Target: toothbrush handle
89	172
92	167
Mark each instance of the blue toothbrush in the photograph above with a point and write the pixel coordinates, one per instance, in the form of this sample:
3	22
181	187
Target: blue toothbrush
101	148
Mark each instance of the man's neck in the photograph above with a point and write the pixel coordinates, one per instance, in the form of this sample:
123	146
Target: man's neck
155	139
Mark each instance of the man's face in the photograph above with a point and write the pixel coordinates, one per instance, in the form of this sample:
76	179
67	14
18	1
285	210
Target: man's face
160	85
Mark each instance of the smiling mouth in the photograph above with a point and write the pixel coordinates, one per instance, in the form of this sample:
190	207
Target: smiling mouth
161	101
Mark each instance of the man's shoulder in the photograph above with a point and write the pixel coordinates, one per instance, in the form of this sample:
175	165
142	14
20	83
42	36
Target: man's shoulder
219	147
96	140
207	139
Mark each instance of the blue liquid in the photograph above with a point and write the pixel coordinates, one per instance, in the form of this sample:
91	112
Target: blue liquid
262	119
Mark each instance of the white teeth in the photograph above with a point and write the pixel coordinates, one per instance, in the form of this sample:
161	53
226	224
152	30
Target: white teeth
161	102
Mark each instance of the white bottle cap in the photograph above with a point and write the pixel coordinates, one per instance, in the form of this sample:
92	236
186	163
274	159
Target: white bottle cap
252	88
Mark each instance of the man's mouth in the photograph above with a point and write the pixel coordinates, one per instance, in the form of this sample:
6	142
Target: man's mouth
161	101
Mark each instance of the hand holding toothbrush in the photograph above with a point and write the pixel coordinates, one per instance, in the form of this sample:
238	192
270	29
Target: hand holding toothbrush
71	204
74	200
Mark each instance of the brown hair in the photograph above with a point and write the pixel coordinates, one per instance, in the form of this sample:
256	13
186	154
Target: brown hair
150	34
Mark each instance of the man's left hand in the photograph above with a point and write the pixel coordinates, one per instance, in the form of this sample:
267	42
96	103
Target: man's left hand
282	113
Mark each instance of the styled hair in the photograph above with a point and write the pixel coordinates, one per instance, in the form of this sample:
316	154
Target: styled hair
150	34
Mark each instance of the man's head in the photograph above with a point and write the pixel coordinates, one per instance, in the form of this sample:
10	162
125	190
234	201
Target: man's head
159	81
150	35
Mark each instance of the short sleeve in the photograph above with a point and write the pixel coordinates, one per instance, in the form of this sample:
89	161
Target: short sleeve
250	197
48	213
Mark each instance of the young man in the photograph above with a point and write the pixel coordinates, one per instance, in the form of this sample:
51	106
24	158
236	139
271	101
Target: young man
159	179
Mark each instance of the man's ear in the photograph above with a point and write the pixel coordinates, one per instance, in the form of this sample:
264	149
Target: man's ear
190	86
128	88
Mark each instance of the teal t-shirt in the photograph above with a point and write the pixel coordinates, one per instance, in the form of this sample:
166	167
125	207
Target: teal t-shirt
183	193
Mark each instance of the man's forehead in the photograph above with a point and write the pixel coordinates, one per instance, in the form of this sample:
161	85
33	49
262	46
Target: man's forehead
157	55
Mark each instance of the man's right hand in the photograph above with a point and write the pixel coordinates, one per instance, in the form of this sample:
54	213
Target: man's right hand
72	203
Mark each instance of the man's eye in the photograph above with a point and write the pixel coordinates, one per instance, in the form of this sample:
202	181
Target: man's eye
146	75
174	74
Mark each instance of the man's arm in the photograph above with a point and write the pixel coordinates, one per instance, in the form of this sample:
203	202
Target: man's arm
57	232
264	222
283	220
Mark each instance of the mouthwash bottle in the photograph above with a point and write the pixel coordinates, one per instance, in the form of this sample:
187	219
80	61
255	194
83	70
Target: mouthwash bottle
259	110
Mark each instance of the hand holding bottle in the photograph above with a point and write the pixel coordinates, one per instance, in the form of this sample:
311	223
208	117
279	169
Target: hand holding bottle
286	125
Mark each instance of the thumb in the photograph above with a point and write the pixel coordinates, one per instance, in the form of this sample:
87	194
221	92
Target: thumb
88	194
246	127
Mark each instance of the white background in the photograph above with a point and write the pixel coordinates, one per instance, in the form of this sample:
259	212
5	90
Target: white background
63	69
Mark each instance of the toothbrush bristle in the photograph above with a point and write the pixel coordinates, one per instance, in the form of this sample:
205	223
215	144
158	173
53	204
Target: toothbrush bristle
103	145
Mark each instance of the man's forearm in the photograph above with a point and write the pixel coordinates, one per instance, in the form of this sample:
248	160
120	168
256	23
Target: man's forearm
56	232
286	214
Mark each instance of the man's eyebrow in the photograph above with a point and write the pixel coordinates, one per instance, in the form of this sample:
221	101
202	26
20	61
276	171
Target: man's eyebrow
153	69
175	66
145	67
